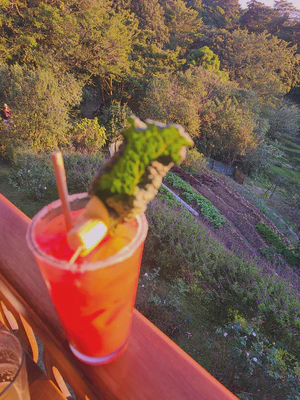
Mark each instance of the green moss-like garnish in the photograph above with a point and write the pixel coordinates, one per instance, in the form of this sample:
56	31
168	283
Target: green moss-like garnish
132	177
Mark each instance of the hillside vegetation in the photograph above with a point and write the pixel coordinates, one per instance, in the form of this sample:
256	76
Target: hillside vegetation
223	285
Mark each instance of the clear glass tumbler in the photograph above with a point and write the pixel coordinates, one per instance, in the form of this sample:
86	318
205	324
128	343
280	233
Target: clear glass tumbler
94	300
13	374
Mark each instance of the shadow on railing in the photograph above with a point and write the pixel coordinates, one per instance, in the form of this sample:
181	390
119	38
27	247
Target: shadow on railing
153	367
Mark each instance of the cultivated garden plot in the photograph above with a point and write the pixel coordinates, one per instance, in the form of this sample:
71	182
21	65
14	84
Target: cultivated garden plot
234	217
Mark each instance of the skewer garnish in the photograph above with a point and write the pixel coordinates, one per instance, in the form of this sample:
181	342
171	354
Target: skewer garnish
129	180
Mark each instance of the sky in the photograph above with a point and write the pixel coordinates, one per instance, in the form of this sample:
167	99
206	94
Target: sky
270	2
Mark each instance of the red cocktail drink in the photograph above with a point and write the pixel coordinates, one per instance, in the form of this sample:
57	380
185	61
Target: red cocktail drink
95	296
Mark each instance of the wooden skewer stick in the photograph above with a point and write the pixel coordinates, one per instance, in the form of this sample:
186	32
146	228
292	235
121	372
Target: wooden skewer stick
61	183
74	258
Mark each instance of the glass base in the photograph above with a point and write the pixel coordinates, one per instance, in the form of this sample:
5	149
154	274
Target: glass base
98	360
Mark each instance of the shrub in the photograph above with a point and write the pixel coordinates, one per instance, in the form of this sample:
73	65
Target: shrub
114	118
194	160
261	158
251	364
40	103
284	120
88	135
159	302
33	174
81	167
7	141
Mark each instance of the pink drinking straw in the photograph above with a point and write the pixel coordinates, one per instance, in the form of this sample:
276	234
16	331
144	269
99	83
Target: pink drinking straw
61	183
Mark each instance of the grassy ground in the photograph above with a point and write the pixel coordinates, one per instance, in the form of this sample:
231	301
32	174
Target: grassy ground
281	171
255	195
291	147
22	201
285	201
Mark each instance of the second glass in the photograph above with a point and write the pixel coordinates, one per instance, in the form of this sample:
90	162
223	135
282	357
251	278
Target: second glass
13	374
94	300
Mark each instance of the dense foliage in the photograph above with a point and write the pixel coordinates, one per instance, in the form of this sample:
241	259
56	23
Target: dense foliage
72	72
33	173
242	315
173	61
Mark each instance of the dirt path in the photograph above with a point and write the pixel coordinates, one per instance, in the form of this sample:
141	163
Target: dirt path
239	232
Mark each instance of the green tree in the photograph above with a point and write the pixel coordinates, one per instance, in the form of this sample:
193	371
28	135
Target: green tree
40	104
260	62
183	22
227	131
147	62
282	20
168	99
180	97
284	120
114	117
286	9
87	134
290	30
151	18
231	8
221	13
195	4
259	18
88	37
121	4
150	55
205	57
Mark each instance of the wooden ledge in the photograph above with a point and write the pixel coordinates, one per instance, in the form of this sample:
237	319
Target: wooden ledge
153	366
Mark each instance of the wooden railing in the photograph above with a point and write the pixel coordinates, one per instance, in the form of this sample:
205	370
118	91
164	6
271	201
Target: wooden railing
153	367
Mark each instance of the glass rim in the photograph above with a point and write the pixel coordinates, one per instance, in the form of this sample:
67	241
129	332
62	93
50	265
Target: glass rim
120	256
12	334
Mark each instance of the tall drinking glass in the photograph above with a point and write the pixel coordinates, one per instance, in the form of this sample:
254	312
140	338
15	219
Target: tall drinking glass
13	375
95	298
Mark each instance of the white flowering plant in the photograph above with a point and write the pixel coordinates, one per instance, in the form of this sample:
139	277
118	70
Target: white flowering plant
255	362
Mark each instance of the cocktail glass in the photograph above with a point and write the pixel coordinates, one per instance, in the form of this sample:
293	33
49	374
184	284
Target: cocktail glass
13	374
94	300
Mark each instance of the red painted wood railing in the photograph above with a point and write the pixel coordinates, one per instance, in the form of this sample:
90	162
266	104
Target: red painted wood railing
153	367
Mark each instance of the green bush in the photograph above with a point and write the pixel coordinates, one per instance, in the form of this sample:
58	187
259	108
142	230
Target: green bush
284	120
8	141
208	211
261	158
88	135
33	174
194	160
41	103
115	119
251	364
159	303
81	168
